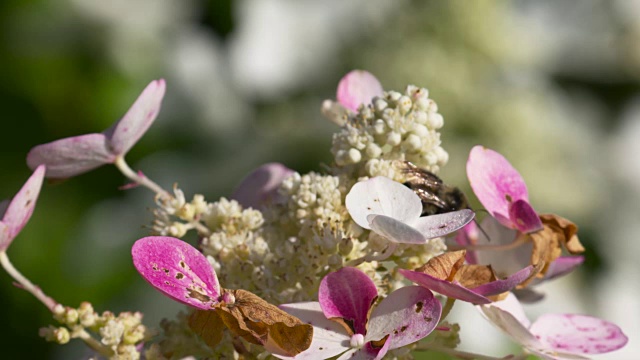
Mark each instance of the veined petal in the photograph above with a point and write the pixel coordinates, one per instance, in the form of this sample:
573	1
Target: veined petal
495	182
71	156
406	315
382	196
562	266
503	262
178	270
523	217
356	88
20	208
434	226
394	230
348	294
503	285
444	287
261	184
469	235
329	337
126	132
578	334
509	317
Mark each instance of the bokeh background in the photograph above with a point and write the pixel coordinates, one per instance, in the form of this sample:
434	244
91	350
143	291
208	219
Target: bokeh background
553	85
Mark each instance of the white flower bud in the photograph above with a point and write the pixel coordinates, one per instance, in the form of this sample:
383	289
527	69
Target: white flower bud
404	105
354	156
394	138
379	127
380	104
412	143
435	121
373	150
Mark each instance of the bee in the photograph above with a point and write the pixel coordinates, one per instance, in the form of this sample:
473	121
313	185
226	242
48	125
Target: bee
436	196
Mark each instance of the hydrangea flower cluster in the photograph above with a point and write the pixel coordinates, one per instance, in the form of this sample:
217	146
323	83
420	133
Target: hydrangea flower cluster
321	265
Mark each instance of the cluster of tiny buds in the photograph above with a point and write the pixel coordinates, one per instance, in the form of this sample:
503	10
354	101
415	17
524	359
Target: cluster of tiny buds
177	207
394	126
119	333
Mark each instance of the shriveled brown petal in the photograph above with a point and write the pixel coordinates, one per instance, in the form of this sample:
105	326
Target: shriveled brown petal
566	230
546	248
471	276
445	266
259	322
208	325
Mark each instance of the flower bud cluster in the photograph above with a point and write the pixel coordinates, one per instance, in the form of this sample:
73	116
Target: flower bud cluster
174	216
118	335
395	126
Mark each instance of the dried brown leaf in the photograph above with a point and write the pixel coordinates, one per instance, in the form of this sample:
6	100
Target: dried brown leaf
208	325
445	266
259	322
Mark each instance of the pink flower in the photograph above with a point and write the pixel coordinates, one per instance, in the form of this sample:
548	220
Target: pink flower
501	190
505	262
261	185
555	336
76	155
16	214
405	316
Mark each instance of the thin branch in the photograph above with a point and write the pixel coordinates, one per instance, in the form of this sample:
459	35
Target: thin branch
25	283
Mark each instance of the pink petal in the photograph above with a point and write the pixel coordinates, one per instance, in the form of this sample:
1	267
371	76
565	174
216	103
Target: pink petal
356	88
504	262
126	132
562	266
468	235
71	156
495	182
503	285
347	293
21	208
178	270
523	217
446	288
434	226
578	334
4	204
329	337
261	185
509	317
406	315
382	196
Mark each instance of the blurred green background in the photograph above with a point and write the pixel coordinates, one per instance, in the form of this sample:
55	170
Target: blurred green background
552	85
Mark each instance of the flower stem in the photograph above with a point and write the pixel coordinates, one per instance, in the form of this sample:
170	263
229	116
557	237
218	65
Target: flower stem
25	283
447	308
384	255
93	343
124	168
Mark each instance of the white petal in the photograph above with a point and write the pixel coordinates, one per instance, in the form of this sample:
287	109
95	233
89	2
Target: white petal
394	230
434	226
509	317
329	337
382	196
